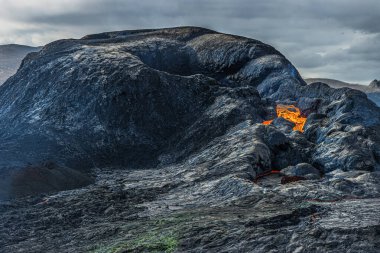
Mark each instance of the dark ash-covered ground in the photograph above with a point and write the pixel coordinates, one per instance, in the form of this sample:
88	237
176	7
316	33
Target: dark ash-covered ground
160	133
122	213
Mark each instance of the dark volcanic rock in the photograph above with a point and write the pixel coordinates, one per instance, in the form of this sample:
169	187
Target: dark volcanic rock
32	180
123	100
291	179
344	127
283	124
126	98
169	122
303	170
372	90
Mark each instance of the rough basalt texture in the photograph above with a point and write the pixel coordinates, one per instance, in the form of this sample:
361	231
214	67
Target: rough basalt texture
169	123
372	90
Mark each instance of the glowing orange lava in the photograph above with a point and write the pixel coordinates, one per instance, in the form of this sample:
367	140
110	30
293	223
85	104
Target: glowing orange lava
290	113
267	122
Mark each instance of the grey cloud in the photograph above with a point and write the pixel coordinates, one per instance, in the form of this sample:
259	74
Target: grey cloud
349	13
369	49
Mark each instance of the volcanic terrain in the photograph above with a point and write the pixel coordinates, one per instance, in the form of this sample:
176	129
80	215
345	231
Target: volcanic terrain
183	140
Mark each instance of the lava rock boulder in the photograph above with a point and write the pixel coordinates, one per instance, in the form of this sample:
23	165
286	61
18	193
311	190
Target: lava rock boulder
302	170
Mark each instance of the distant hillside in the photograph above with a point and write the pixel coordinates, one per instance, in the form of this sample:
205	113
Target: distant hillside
372	91
11	57
375	84
339	84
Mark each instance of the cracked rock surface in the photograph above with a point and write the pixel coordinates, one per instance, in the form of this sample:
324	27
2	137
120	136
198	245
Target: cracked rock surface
152	141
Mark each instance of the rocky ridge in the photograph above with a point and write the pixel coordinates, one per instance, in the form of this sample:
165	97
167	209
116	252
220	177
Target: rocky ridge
168	122
372	90
375	84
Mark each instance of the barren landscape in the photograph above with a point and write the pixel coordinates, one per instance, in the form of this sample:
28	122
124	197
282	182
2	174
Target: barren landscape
183	140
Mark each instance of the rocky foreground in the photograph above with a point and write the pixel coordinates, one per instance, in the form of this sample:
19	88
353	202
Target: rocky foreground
152	141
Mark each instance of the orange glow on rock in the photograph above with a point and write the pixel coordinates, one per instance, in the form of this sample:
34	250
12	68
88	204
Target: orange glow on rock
290	113
267	122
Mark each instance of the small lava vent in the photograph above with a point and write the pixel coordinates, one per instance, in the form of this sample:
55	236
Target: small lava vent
290	113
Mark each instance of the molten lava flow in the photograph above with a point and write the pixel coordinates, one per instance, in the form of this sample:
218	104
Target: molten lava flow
267	122
293	114
290	113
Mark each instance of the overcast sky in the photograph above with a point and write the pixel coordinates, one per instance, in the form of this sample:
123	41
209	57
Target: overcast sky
337	39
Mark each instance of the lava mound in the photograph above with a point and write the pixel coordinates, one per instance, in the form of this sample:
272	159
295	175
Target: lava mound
148	98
